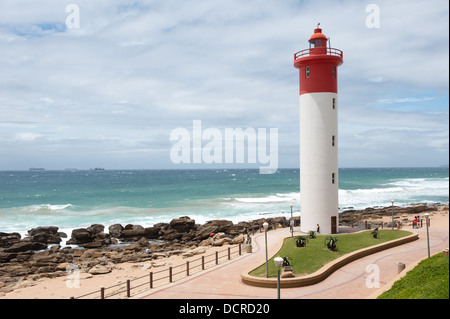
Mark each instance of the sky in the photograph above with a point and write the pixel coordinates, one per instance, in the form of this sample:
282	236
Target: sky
104	83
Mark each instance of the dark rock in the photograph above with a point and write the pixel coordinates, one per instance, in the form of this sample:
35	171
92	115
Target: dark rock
8	239
115	230
183	224
205	231
222	224
95	229
152	232
236	230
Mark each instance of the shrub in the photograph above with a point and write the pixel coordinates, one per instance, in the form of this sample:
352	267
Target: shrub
375	233
331	243
312	234
301	241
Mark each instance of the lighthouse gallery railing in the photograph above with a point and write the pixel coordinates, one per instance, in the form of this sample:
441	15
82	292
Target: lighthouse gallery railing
307	52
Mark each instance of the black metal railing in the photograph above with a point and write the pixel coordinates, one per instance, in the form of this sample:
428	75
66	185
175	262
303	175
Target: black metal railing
308	52
165	276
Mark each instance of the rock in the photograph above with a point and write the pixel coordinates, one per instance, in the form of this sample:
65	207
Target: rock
99	269
95	229
8	239
182	225
235	230
205	231
219	242
159	255
171	235
45	234
219	236
25	246
222	225
206	242
152	232
238	239
160	264
91	237
115	230
198	251
134	247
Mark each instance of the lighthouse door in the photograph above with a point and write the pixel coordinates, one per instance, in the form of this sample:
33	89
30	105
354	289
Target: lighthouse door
333	225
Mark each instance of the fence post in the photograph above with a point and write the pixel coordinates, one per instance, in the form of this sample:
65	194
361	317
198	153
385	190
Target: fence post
151	279
217	257
229	253
170	274
102	292
187	267
240	252
128	288
203	262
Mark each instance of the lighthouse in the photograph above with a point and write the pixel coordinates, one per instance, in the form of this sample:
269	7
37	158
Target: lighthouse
319	134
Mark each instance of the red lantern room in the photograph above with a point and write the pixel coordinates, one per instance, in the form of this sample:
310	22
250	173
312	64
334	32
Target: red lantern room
318	65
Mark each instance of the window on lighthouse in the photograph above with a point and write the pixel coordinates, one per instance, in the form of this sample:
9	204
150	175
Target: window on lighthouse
307	71
332	178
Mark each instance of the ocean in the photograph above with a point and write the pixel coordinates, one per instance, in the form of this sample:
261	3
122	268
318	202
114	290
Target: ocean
78	198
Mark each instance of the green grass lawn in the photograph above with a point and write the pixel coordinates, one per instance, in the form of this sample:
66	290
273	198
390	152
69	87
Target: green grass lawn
306	260
428	280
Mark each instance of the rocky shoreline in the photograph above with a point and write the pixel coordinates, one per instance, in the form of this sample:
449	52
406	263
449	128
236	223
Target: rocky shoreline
95	251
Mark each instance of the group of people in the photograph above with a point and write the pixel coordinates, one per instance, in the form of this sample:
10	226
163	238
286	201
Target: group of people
417	222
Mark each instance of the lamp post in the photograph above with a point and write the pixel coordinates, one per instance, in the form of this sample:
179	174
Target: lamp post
266	227
278	263
292	222
428	236
392	202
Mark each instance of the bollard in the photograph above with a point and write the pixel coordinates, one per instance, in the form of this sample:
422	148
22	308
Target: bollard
102	292
401	266
170	274
128	288
151	280
203	262
187	267
217	257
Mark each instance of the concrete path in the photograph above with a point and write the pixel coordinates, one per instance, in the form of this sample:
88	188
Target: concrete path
356	280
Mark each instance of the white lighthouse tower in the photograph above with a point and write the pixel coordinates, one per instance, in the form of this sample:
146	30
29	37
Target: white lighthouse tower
318	134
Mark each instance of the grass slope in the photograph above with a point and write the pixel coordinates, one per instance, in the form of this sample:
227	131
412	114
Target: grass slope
428	280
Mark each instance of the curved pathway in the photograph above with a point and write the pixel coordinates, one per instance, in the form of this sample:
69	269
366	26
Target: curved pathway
356	280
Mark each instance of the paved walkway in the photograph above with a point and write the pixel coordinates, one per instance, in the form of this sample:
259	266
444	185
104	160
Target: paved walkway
349	282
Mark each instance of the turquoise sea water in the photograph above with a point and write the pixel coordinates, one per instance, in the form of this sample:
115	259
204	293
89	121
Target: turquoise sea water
72	199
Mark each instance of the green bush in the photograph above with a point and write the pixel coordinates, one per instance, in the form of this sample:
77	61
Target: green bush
331	243
312	234
301	241
375	233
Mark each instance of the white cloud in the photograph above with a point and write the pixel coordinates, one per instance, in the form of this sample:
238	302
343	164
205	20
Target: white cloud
133	72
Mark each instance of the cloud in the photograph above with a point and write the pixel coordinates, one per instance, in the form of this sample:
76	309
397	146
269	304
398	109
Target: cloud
134	71
404	100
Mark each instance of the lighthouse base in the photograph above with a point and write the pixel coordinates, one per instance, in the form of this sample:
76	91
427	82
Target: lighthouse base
327	225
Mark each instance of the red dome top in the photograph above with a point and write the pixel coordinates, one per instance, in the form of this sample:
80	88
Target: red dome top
318	34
